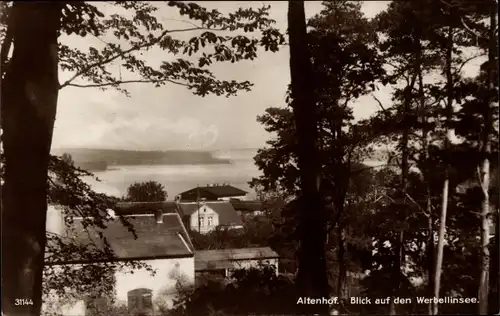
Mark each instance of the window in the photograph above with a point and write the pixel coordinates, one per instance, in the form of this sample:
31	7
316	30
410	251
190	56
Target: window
210	220
140	301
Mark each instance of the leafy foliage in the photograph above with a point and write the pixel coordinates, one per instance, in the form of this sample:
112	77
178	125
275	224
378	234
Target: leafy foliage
251	291
136	28
367	209
126	35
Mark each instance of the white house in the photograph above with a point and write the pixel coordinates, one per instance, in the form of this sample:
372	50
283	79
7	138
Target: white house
223	261
162	243
204	217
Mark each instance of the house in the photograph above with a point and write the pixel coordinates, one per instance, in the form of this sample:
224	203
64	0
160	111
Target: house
204	217
212	192
247	208
222	262
162	243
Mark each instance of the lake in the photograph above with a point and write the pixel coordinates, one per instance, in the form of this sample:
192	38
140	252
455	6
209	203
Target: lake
180	178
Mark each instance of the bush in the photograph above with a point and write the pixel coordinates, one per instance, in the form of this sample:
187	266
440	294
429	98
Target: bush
251	291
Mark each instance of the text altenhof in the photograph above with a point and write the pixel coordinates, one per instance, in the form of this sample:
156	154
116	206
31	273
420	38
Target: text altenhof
318	301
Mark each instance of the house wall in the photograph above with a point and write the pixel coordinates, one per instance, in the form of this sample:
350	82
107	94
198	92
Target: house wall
241	197
162	284
204	213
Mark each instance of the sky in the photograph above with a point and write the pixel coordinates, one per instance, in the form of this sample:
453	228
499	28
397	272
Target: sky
171	117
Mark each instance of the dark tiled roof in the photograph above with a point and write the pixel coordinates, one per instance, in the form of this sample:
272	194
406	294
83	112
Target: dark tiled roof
219	258
154	240
224	190
227	213
246	206
137	208
218	191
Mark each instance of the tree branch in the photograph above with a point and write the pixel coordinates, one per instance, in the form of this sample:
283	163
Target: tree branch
467	60
481	184
471	31
373	167
130	50
184	21
418	205
108	84
379	103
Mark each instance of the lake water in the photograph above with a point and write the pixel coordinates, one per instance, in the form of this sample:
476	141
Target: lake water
180	178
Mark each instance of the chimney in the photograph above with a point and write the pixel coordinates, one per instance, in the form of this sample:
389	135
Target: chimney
55	220
111	213
159	216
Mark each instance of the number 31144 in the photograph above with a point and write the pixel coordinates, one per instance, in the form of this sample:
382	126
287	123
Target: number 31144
23	301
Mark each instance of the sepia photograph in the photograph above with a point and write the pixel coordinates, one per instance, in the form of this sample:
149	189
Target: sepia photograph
224	158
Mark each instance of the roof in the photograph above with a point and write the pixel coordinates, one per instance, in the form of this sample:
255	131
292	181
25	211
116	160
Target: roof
201	265
221	258
225	210
216	190
246	206
136	208
154	240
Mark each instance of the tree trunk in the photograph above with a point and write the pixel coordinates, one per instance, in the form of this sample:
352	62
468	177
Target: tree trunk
430	254
497	237
485	167
341	261
397	271
399	244
485	234
29	100
342	183
312	275
446	182
428	205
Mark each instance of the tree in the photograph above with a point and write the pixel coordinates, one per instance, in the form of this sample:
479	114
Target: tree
68	159
148	191
492	75
345	66
418	48
311	277
29	98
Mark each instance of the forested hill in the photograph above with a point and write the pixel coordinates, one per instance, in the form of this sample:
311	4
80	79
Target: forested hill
109	157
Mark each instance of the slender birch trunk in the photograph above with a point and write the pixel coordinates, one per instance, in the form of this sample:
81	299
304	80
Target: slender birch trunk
485	168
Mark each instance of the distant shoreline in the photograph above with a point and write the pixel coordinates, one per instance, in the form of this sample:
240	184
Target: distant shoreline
114	167
104	159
